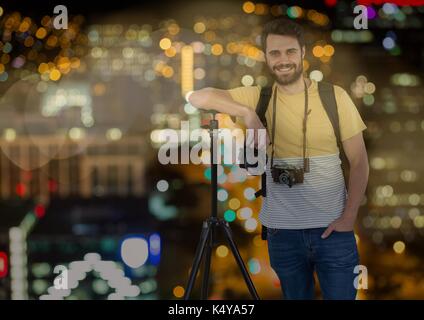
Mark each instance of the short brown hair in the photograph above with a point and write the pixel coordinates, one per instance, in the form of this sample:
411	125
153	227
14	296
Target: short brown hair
284	27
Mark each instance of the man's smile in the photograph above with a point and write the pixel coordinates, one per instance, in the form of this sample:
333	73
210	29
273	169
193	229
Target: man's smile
284	69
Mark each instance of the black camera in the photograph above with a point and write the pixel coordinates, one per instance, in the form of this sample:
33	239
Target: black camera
287	174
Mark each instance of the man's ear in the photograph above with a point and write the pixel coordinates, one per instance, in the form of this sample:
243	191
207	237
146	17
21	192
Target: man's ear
303	52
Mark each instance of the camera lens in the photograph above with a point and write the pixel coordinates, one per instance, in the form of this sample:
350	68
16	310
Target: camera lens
284	178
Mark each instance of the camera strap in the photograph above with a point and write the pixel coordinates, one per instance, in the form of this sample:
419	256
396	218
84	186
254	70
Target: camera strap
305	118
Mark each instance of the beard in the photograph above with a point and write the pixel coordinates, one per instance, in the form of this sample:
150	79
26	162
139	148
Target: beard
288	78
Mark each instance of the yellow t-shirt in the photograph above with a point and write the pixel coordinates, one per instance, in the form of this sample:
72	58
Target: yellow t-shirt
320	138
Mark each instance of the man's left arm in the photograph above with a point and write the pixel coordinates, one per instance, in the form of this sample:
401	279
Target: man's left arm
356	153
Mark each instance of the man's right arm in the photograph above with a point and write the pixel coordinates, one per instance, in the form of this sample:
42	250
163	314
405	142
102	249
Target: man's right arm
221	101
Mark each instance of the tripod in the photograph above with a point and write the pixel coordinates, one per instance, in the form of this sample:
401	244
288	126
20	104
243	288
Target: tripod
204	248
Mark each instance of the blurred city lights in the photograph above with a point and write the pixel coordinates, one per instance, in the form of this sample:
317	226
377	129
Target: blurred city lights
162	185
229	215
222	195
178	291
244	213
4	264
234	203
108	271
254	266
9	134
248	7
222	251
251	224
294	12
134	252
316	75
249	193
399	247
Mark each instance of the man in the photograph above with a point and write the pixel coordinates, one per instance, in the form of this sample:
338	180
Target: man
310	225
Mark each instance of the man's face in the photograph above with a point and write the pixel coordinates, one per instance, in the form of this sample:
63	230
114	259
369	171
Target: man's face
284	58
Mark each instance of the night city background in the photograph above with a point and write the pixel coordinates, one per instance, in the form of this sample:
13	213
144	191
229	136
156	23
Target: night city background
82	116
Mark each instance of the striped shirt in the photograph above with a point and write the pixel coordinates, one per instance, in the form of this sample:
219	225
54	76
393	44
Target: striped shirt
315	203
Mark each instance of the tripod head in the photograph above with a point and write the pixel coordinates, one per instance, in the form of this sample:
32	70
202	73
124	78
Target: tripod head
214	112
213	123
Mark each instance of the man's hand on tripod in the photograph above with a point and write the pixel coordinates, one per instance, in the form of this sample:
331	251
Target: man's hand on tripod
221	101
252	121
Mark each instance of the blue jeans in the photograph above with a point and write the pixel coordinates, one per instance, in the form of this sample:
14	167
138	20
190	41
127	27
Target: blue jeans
296	254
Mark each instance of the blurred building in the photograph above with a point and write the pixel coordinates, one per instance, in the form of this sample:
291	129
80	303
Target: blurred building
60	168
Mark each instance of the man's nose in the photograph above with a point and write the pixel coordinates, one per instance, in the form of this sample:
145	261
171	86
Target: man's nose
284	59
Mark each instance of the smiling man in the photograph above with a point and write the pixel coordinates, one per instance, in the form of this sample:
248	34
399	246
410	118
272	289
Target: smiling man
310	222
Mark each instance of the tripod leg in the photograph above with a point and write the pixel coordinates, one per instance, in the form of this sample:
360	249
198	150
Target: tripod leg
207	266
239	260
204	236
